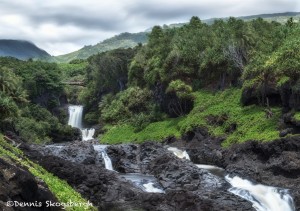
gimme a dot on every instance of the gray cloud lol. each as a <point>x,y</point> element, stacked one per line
<point>61,26</point>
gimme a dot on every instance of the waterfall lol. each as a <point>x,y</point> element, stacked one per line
<point>87,134</point>
<point>146,183</point>
<point>75,116</point>
<point>101,149</point>
<point>75,120</point>
<point>263,198</point>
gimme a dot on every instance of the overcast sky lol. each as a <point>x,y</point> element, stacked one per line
<point>63,26</point>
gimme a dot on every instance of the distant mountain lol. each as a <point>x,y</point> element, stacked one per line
<point>124,40</point>
<point>21,49</point>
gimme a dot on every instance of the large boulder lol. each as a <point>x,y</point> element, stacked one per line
<point>125,157</point>
<point>78,152</point>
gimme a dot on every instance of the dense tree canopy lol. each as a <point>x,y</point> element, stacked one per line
<point>177,61</point>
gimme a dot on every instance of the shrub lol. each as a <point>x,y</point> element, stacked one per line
<point>134,106</point>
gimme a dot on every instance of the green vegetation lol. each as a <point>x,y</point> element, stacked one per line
<point>130,40</point>
<point>30,92</point>
<point>63,192</point>
<point>155,131</point>
<point>160,86</point>
<point>221,113</point>
<point>124,40</point>
<point>297,116</point>
<point>191,76</point>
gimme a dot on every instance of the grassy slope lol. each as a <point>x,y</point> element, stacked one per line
<point>63,192</point>
<point>124,40</point>
<point>251,121</point>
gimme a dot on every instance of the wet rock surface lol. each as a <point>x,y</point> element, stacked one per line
<point>17,184</point>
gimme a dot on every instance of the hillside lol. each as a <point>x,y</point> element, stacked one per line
<point>123,40</point>
<point>20,49</point>
<point>129,40</point>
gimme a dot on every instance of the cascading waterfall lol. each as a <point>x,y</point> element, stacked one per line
<point>101,149</point>
<point>263,198</point>
<point>145,182</point>
<point>75,120</point>
<point>87,134</point>
<point>75,116</point>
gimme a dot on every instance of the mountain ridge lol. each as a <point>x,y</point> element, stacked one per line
<point>21,49</point>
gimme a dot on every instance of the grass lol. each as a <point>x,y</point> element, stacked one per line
<point>60,188</point>
<point>297,116</point>
<point>250,121</point>
<point>154,131</point>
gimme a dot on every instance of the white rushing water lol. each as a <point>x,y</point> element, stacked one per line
<point>75,120</point>
<point>87,134</point>
<point>263,198</point>
<point>149,187</point>
<point>179,153</point>
<point>212,169</point>
<point>147,183</point>
<point>107,161</point>
<point>75,116</point>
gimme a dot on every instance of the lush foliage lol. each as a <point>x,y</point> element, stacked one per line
<point>28,89</point>
<point>106,73</point>
<point>134,105</point>
<point>221,113</point>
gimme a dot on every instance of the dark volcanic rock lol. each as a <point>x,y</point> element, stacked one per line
<point>17,184</point>
<point>181,175</point>
<point>125,157</point>
<point>78,152</point>
<point>201,147</point>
